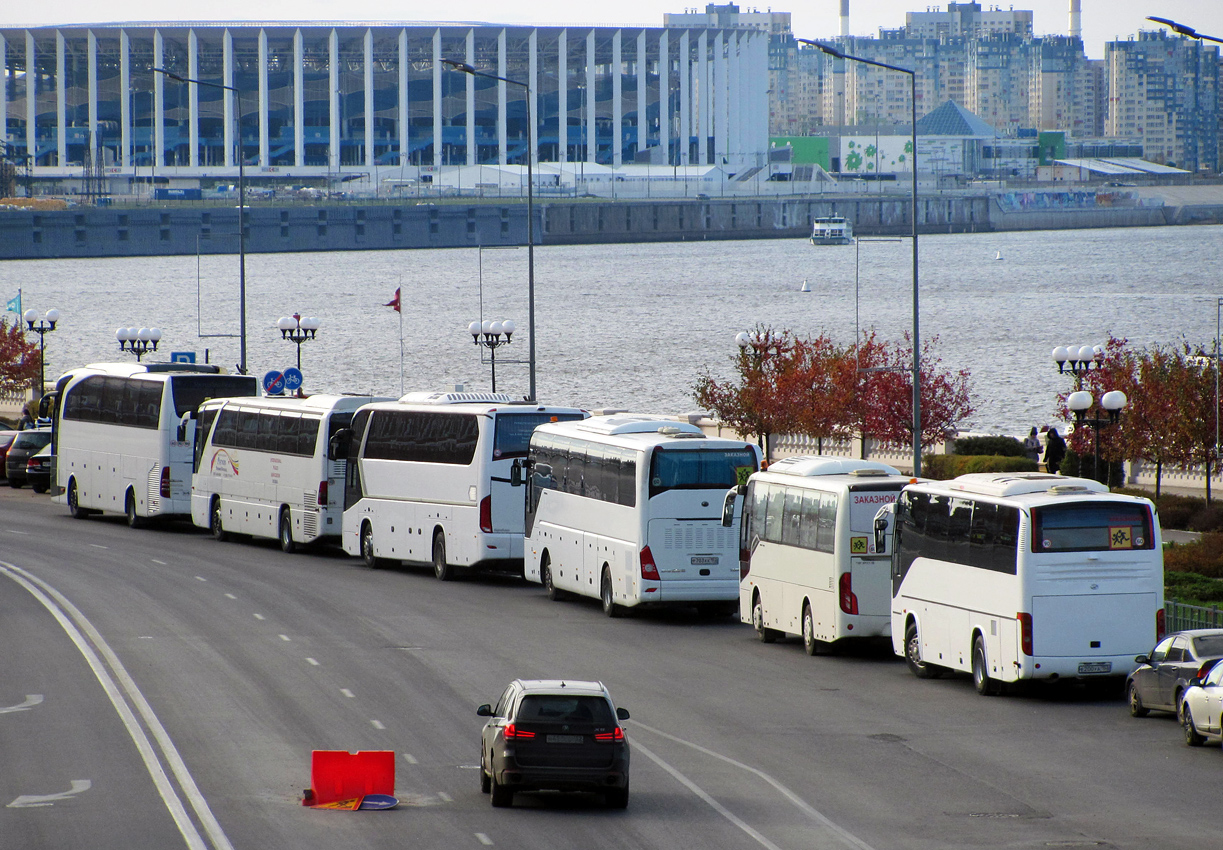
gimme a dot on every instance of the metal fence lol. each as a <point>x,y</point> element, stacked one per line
<point>1180,616</point>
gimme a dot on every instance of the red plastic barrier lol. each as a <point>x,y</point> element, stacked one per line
<point>341,775</point>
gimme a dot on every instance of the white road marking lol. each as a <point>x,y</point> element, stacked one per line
<point>803,806</point>
<point>409,758</point>
<point>311,661</point>
<point>484,839</point>
<point>86,637</point>
<point>155,561</point>
<point>260,617</point>
<point>285,638</point>
<point>346,692</point>
<point>200,578</point>
<point>230,596</point>
<point>14,531</point>
<point>377,724</point>
<point>98,546</point>
<point>31,700</point>
<point>27,801</point>
<point>444,797</point>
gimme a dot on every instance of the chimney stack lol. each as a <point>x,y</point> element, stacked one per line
<point>844,17</point>
<point>1076,27</point>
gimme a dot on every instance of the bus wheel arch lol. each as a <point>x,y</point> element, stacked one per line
<point>284,530</point>
<point>912,646</point>
<point>367,547</point>
<point>442,569</point>
<point>215,522</point>
<point>545,577</point>
<point>765,634</point>
<point>134,520</point>
<point>811,644</point>
<point>74,504</point>
<point>985,684</point>
<point>606,593</point>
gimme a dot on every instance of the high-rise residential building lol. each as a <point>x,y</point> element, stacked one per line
<point>967,20</point>
<point>1164,91</point>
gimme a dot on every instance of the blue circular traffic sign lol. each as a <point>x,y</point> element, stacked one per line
<point>274,382</point>
<point>293,378</point>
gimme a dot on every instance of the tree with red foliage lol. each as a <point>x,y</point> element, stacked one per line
<point>821,385</point>
<point>19,359</point>
<point>758,402</point>
<point>1192,384</point>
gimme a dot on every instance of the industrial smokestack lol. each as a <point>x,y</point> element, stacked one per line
<point>845,17</point>
<point>1076,26</point>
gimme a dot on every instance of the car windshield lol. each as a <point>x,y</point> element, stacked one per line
<point>563,708</point>
<point>1208,645</point>
<point>32,440</point>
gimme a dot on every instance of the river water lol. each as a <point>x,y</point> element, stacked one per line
<point>631,326</point>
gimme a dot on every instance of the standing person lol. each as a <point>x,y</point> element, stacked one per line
<point>1031,447</point>
<point>1055,450</point>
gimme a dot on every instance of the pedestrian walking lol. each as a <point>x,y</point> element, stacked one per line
<point>1031,447</point>
<point>1055,450</point>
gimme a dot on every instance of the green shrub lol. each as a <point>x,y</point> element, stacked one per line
<point>1193,588</point>
<point>949,466</point>
<point>1204,556</point>
<point>1002,446</point>
<point>1187,513</point>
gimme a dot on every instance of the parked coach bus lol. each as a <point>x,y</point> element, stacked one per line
<point>429,479</point>
<point>124,433</point>
<point>808,557</point>
<point>1021,576</point>
<point>628,509</point>
<point>264,467</point>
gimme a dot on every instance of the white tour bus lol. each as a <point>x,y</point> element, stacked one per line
<point>436,478</point>
<point>1017,576</point>
<point>124,434</point>
<point>628,509</point>
<point>808,558</point>
<point>264,467</point>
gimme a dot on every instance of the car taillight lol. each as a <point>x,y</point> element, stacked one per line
<point>745,563</point>
<point>486,514</point>
<point>849,602</point>
<point>513,732</point>
<point>165,482</point>
<point>1025,632</point>
<point>649,570</point>
<point>610,737</point>
<point>322,494</point>
<point>1160,624</point>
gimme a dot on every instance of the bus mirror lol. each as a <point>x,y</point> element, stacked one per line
<point>543,470</point>
<point>883,527</point>
<point>516,473</point>
<point>45,404</point>
<point>338,445</point>
<point>728,507</point>
<point>182,426</point>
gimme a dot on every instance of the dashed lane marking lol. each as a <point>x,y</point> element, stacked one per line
<point>312,662</point>
<point>377,724</point>
<point>98,546</point>
<point>200,578</point>
<point>285,638</point>
<point>444,797</point>
<point>484,839</point>
<point>260,617</point>
<point>346,692</point>
<point>230,596</point>
<point>409,758</point>
<point>162,563</point>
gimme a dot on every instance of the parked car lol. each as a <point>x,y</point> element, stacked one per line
<point>554,735</point>
<point>38,470</point>
<point>1201,708</point>
<point>6,440</point>
<point>1163,676</point>
<point>25,445</point>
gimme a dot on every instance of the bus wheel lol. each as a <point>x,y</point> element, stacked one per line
<point>367,549</point>
<point>610,608</point>
<point>441,569</point>
<point>74,505</point>
<point>812,644</point>
<point>286,532</point>
<point>766,635</point>
<point>986,686</point>
<point>545,575</point>
<point>919,668</point>
<point>129,507</point>
<point>214,522</point>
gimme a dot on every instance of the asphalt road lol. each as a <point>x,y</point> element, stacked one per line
<point>159,689</point>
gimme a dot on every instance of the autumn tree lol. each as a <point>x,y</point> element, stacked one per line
<point>821,384</point>
<point>19,359</point>
<point>1193,387</point>
<point>758,401</point>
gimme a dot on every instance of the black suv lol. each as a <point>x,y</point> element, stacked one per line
<point>554,735</point>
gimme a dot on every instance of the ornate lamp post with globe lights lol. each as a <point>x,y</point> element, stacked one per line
<point>1078,360</point>
<point>41,326</point>
<point>138,341</point>
<point>489,335</point>
<point>297,329</point>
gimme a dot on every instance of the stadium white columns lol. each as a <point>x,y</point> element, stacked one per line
<point>588,130</point>
<point>193,99</point>
<point>533,94</point>
<point>264,100</point>
<point>469,56</point>
<point>333,98</point>
<point>299,101</point>
<point>502,122</point>
<point>61,128</point>
<point>437,97</point>
<point>562,95</point>
<point>685,99</point>
<point>405,149</point>
<point>369,105</point>
<point>617,104</point>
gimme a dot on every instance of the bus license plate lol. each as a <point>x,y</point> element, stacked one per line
<point>566,739</point>
<point>704,560</point>
<point>1096,667</point>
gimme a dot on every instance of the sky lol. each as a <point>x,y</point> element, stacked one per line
<point>1103,20</point>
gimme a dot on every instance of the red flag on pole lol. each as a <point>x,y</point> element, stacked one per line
<point>394,302</point>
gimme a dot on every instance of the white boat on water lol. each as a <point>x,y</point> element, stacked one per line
<point>832,230</point>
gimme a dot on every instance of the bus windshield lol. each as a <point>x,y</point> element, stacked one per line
<point>1090,527</point>
<point>702,469</point>
<point>512,433</point>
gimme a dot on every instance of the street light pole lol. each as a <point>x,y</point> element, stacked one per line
<point>492,332</point>
<point>44,326</point>
<point>917,422</point>
<point>468,69</point>
<point>298,329</point>
<point>241,206</point>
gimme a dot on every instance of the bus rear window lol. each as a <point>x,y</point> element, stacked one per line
<point>512,431</point>
<point>190,391</point>
<point>700,469</point>
<point>1091,527</point>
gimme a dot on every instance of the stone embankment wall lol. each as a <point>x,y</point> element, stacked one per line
<point>186,227</point>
